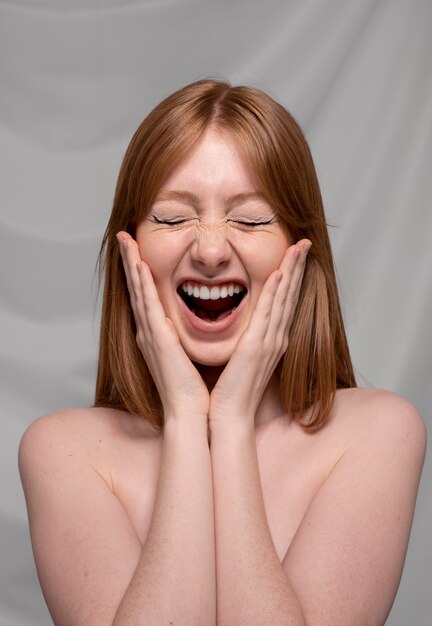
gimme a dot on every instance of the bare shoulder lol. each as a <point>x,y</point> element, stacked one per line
<point>102,439</point>
<point>84,430</point>
<point>63,428</point>
<point>360,519</point>
<point>66,467</point>
<point>376,413</point>
<point>51,437</point>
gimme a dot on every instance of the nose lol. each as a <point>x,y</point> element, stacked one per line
<point>211,250</point>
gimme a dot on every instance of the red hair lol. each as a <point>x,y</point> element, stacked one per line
<point>317,360</point>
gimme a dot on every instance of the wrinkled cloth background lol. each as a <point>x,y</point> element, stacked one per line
<point>77,77</point>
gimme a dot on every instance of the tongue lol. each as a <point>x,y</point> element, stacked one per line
<point>211,316</point>
<point>212,310</point>
<point>221,304</point>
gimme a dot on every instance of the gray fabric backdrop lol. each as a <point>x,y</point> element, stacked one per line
<point>76,79</point>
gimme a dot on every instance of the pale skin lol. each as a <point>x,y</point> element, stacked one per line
<point>233,515</point>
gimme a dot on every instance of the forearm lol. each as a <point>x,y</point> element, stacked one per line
<point>252,587</point>
<point>175,580</point>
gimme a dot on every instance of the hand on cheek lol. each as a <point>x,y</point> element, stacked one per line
<point>241,385</point>
<point>181,388</point>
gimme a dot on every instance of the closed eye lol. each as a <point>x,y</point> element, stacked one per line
<point>247,224</point>
<point>173,222</point>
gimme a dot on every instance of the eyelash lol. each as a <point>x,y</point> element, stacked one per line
<point>242,224</point>
<point>252,224</point>
<point>160,221</point>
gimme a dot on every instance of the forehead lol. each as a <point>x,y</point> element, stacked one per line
<point>216,162</point>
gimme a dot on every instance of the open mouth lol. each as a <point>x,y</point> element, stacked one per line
<point>212,303</point>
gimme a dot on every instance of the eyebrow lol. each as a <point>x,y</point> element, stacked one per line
<point>192,199</point>
<point>180,196</point>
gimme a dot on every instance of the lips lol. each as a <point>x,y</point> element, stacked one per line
<point>212,303</point>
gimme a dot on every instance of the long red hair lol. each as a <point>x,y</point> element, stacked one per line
<point>317,361</point>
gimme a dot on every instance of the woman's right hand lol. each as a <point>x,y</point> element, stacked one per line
<point>182,390</point>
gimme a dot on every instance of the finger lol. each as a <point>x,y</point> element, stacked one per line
<point>148,311</point>
<point>151,304</point>
<point>288,268</point>
<point>285,302</point>
<point>270,306</point>
<point>294,287</point>
<point>260,319</point>
<point>278,297</point>
<point>290,297</point>
<point>130,257</point>
<point>137,285</point>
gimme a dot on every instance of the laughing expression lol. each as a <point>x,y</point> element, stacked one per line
<point>211,241</point>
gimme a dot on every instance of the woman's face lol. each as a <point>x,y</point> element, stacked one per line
<point>211,241</point>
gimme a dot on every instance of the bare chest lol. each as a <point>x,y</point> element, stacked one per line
<point>291,471</point>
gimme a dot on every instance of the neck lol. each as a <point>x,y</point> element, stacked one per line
<point>210,374</point>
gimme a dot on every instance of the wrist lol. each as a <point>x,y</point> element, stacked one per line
<point>182,423</point>
<point>232,424</point>
<point>230,413</point>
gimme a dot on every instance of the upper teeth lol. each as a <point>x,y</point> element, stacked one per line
<point>211,293</point>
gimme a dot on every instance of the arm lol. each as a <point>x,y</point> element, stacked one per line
<point>252,587</point>
<point>175,578</point>
<point>344,564</point>
<point>91,565</point>
<point>346,558</point>
<point>174,581</point>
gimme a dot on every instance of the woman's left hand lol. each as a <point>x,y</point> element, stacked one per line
<point>238,392</point>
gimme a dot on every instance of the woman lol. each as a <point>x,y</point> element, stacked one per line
<point>230,471</point>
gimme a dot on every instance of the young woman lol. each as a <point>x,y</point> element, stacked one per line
<point>230,471</point>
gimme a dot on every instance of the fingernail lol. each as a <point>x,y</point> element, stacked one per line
<point>122,240</point>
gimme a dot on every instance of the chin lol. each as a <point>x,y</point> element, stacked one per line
<point>211,362</point>
<point>209,355</point>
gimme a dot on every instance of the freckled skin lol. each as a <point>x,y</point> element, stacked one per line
<point>209,243</point>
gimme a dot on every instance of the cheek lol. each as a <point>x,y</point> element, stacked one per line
<point>148,246</point>
<point>160,267</point>
<point>161,248</point>
<point>266,256</point>
<point>162,253</point>
<point>156,253</point>
<point>277,249</point>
